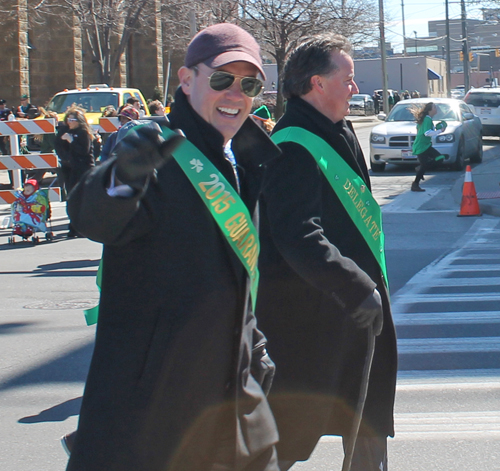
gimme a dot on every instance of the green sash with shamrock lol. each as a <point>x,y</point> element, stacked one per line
<point>225,206</point>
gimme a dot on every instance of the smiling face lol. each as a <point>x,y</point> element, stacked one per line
<point>225,110</point>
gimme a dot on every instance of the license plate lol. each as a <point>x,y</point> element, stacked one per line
<point>485,110</point>
<point>407,154</point>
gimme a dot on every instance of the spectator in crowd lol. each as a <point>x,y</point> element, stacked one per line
<point>46,142</point>
<point>128,113</point>
<point>110,112</point>
<point>135,102</point>
<point>322,267</point>
<point>179,370</point>
<point>376,102</point>
<point>74,147</point>
<point>156,108</point>
<point>26,109</point>
<point>262,116</point>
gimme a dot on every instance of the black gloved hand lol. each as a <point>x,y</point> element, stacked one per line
<point>370,313</point>
<point>262,368</point>
<point>142,151</point>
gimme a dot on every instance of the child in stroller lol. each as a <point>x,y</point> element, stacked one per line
<point>30,212</point>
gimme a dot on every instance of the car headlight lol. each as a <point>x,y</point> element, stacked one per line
<point>377,138</point>
<point>445,138</point>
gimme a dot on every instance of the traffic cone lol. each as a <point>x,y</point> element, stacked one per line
<point>469,205</point>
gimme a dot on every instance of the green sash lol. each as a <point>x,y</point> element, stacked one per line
<point>347,185</point>
<point>224,204</point>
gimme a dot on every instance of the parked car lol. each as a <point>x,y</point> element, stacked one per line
<point>485,102</point>
<point>361,104</point>
<point>391,141</point>
<point>458,93</point>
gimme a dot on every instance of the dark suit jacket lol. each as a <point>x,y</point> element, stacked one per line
<point>315,270</point>
<point>170,371</point>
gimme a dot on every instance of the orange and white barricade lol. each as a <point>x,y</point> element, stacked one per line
<point>17,161</point>
<point>107,125</point>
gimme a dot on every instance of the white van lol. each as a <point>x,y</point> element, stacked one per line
<point>485,103</point>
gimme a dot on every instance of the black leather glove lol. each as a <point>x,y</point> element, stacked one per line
<point>262,368</point>
<point>370,313</point>
<point>142,151</point>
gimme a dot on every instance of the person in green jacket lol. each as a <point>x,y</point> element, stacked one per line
<point>422,146</point>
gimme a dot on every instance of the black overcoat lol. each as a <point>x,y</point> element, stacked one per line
<point>315,269</point>
<point>170,373</point>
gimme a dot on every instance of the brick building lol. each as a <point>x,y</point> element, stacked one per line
<point>40,58</point>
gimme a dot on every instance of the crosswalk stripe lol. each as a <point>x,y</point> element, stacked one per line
<point>445,318</point>
<point>449,345</point>
<point>440,298</point>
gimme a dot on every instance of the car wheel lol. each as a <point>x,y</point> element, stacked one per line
<point>377,168</point>
<point>477,157</point>
<point>460,160</point>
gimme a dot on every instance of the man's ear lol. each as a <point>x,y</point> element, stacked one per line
<point>186,78</point>
<point>317,83</point>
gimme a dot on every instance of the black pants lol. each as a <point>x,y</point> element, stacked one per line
<point>427,160</point>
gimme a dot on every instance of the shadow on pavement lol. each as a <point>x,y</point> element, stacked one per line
<point>66,268</point>
<point>71,367</point>
<point>57,413</point>
<point>14,327</point>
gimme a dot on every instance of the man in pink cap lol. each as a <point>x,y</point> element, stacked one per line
<point>180,371</point>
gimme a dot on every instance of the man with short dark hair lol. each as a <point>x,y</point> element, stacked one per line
<point>179,369</point>
<point>323,279</point>
<point>26,109</point>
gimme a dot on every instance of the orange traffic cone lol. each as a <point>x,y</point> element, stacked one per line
<point>469,205</point>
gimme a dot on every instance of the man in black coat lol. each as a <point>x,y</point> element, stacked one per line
<point>176,378</point>
<point>321,285</point>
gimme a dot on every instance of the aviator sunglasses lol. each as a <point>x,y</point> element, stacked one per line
<point>221,80</point>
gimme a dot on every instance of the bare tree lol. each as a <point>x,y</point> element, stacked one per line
<point>280,24</point>
<point>106,24</point>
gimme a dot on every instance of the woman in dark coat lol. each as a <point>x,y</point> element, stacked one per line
<point>74,146</point>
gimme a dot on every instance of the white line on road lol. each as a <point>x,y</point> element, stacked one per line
<point>449,345</point>
<point>445,318</point>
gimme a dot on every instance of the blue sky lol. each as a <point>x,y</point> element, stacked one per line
<point>417,14</point>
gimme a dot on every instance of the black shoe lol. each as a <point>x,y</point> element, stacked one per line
<point>67,442</point>
<point>416,187</point>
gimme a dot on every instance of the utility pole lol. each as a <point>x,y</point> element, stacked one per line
<point>192,22</point>
<point>448,53</point>
<point>403,20</point>
<point>383,55</point>
<point>465,47</point>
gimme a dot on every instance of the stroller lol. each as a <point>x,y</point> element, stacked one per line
<point>30,213</point>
